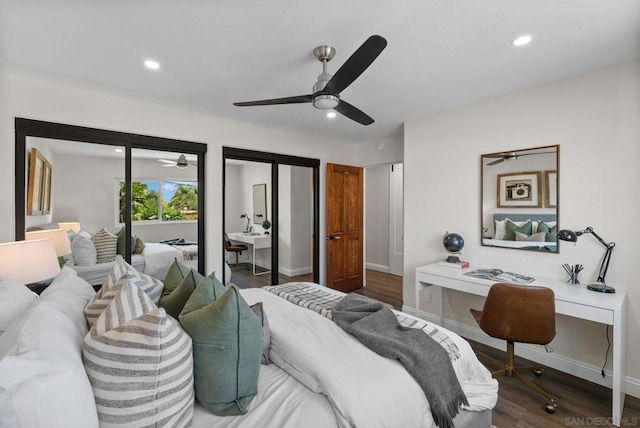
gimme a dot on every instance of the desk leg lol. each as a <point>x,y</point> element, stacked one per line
<point>619,352</point>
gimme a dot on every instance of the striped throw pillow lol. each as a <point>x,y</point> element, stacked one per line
<point>106,245</point>
<point>139,363</point>
<point>121,271</point>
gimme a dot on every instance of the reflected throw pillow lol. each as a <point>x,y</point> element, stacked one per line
<point>536,237</point>
<point>106,245</point>
<point>511,228</point>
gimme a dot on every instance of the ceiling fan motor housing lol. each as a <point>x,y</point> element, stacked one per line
<point>324,101</point>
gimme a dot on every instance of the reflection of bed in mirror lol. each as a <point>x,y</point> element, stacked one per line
<point>529,231</point>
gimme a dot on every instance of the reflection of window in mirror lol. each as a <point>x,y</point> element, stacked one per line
<point>520,199</point>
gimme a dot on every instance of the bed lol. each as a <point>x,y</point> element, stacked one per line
<point>154,260</point>
<point>320,376</point>
<point>534,239</point>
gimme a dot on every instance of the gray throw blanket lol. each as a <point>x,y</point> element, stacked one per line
<point>377,328</point>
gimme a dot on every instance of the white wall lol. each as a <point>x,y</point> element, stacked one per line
<point>377,217</point>
<point>595,119</point>
<point>26,97</point>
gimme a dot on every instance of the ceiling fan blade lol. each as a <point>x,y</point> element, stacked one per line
<point>356,64</point>
<point>495,162</point>
<point>287,100</point>
<point>166,161</point>
<point>353,113</point>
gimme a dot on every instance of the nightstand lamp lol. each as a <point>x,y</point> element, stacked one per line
<point>59,238</point>
<point>29,262</point>
<point>70,225</point>
<point>601,286</point>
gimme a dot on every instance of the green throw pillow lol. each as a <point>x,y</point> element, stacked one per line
<point>121,242</point>
<point>551,231</point>
<point>227,346</point>
<point>511,229</point>
<point>176,273</point>
<point>175,301</point>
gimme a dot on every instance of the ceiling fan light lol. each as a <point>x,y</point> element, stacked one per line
<point>325,102</point>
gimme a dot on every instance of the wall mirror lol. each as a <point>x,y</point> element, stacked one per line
<point>520,199</point>
<point>259,203</point>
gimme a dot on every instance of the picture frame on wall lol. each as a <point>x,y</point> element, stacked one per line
<point>551,189</point>
<point>38,184</point>
<point>519,190</point>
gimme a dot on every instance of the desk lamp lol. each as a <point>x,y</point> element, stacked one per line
<point>601,286</point>
<point>60,241</point>
<point>29,261</point>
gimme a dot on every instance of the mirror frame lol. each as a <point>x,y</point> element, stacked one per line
<point>542,190</point>
<point>35,128</point>
<point>259,203</point>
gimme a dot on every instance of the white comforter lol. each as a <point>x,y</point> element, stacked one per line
<point>158,258</point>
<point>365,389</point>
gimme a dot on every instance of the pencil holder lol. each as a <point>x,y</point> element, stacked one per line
<point>573,272</point>
<point>574,278</point>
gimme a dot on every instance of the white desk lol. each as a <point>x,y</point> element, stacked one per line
<point>573,301</point>
<point>257,242</point>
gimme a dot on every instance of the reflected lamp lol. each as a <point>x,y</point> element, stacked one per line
<point>571,236</point>
<point>59,238</point>
<point>29,261</point>
<point>70,225</point>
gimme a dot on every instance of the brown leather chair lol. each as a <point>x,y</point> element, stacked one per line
<point>234,248</point>
<point>519,313</point>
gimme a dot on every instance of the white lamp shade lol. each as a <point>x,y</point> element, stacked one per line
<point>59,237</point>
<point>29,261</point>
<point>70,225</point>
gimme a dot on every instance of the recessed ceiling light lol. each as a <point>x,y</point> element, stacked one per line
<point>331,114</point>
<point>118,150</point>
<point>522,40</point>
<point>153,65</point>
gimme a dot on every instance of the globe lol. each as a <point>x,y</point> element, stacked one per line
<point>453,243</point>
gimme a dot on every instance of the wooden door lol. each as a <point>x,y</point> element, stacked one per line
<point>344,227</point>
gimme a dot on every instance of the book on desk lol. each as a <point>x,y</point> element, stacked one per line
<point>500,275</point>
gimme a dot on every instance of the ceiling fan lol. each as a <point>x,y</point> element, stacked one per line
<point>181,162</point>
<point>326,91</point>
<point>509,156</point>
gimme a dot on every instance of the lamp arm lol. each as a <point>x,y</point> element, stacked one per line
<point>605,263</point>
<point>590,230</point>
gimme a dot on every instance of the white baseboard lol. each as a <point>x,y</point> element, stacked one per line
<point>379,268</point>
<point>535,353</point>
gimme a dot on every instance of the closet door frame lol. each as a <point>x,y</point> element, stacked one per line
<point>35,128</point>
<point>275,160</point>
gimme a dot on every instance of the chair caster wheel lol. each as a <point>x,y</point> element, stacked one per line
<point>538,372</point>
<point>550,408</point>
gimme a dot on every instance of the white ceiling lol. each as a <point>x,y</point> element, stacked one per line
<point>440,54</point>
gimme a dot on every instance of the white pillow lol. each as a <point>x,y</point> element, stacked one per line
<point>42,361</point>
<point>139,362</point>
<point>500,229</point>
<point>82,248</point>
<point>15,299</point>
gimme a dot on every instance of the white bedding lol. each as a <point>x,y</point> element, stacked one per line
<point>282,402</point>
<point>516,244</point>
<point>365,389</point>
<point>158,258</point>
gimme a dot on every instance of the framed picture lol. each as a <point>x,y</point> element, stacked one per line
<point>46,189</point>
<point>551,189</point>
<point>519,190</point>
<point>38,184</point>
<point>34,182</point>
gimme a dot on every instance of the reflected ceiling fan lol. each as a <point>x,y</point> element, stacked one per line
<point>508,156</point>
<point>181,162</point>
<point>326,91</point>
